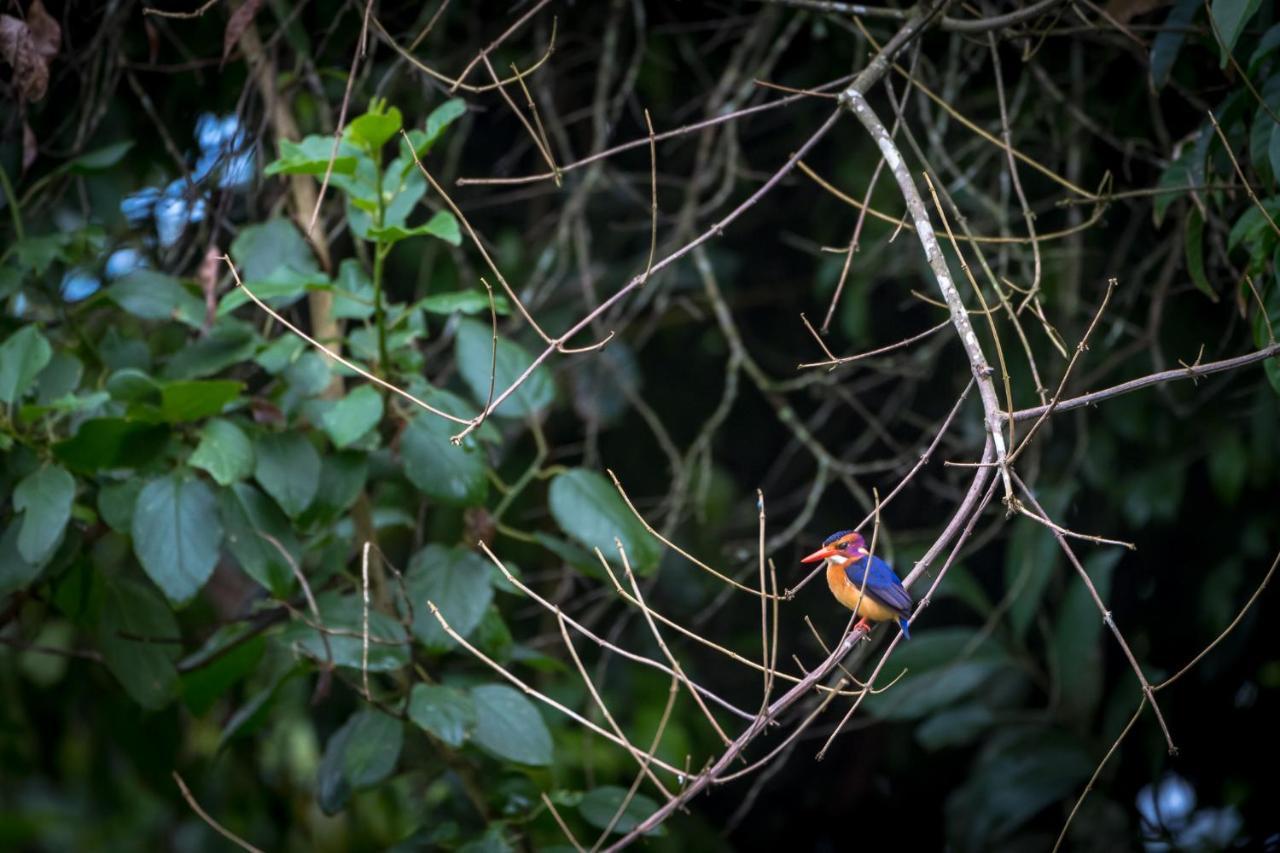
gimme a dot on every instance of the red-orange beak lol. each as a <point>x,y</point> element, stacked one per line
<point>821,554</point>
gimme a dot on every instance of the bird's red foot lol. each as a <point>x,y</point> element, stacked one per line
<point>866,628</point>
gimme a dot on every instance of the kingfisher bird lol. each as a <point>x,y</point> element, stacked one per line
<point>863,583</point>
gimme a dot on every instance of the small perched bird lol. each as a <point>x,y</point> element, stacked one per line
<point>863,583</point>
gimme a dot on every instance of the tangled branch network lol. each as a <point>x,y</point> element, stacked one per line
<point>791,702</point>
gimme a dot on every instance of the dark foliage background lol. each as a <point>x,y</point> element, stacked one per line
<point>150,437</point>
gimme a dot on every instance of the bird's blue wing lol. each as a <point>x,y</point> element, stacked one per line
<point>881,582</point>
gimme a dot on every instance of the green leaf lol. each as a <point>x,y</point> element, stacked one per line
<point>1077,636</point>
<point>260,250</point>
<point>229,343</point>
<point>311,157</point>
<point>342,476</point>
<point>15,571</point>
<point>1273,150</point>
<point>1230,16</point>
<point>442,225</point>
<point>1176,177</point>
<point>373,748</point>
<point>954,726</point>
<point>941,667</point>
<point>1193,243</point>
<point>248,514</point>
<point>353,416</point>
<point>509,727</point>
<point>1020,774</point>
<point>177,534</point>
<point>439,119</point>
<point>224,451</point>
<point>332,788</point>
<point>22,356</point>
<point>116,502</point>
<point>59,378</point>
<point>599,805</point>
<point>452,474</point>
<point>463,301</point>
<point>44,498</point>
<point>589,509</point>
<point>474,351</point>
<point>457,582</point>
<point>253,713</point>
<point>152,295</point>
<point>236,658</point>
<point>100,158</point>
<point>135,634</point>
<point>1168,42</point>
<point>195,399</point>
<point>446,712</point>
<point>388,646</point>
<point>106,443</point>
<point>280,289</point>
<point>372,130</point>
<point>353,292</point>
<point>1032,556</point>
<point>288,467</point>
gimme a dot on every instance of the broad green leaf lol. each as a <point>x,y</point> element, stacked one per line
<point>230,659</point>
<point>439,119</point>
<point>224,451</point>
<point>280,289</point>
<point>464,302</point>
<point>22,356</point>
<point>442,225</point>
<point>311,157</point>
<point>1193,244</point>
<point>353,415</point>
<point>249,517</point>
<point>373,748</point>
<point>452,474</point>
<point>457,582</point>
<point>259,250</point>
<point>388,646</point>
<point>342,476</point>
<point>15,570</point>
<point>44,498</point>
<point>59,378</point>
<point>100,158</point>
<point>1230,16</point>
<point>288,467</point>
<point>926,686</point>
<point>229,343</point>
<point>177,534</point>
<point>1273,150</point>
<point>353,292</point>
<point>1077,636</point>
<point>600,805</point>
<point>116,502</point>
<point>589,509</point>
<point>446,712</point>
<point>135,634</point>
<point>474,351</point>
<point>373,129</point>
<point>105,443</point>
<point>1031,557</point>
<point>954,726</point>
<point>196,399</point>
<point>332,788</point>
<point>1020,774</point>
<point>153,295</point>
<point>130,385</point>
<point>509,727</point>
<point>1177,176</point>
<point>252,714</point>
<point>1168,42</point>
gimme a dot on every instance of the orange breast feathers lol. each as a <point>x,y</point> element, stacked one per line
<point>858,600</point>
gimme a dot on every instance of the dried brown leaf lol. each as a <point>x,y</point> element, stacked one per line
<point>29,46</point>
<point>236,25</point>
